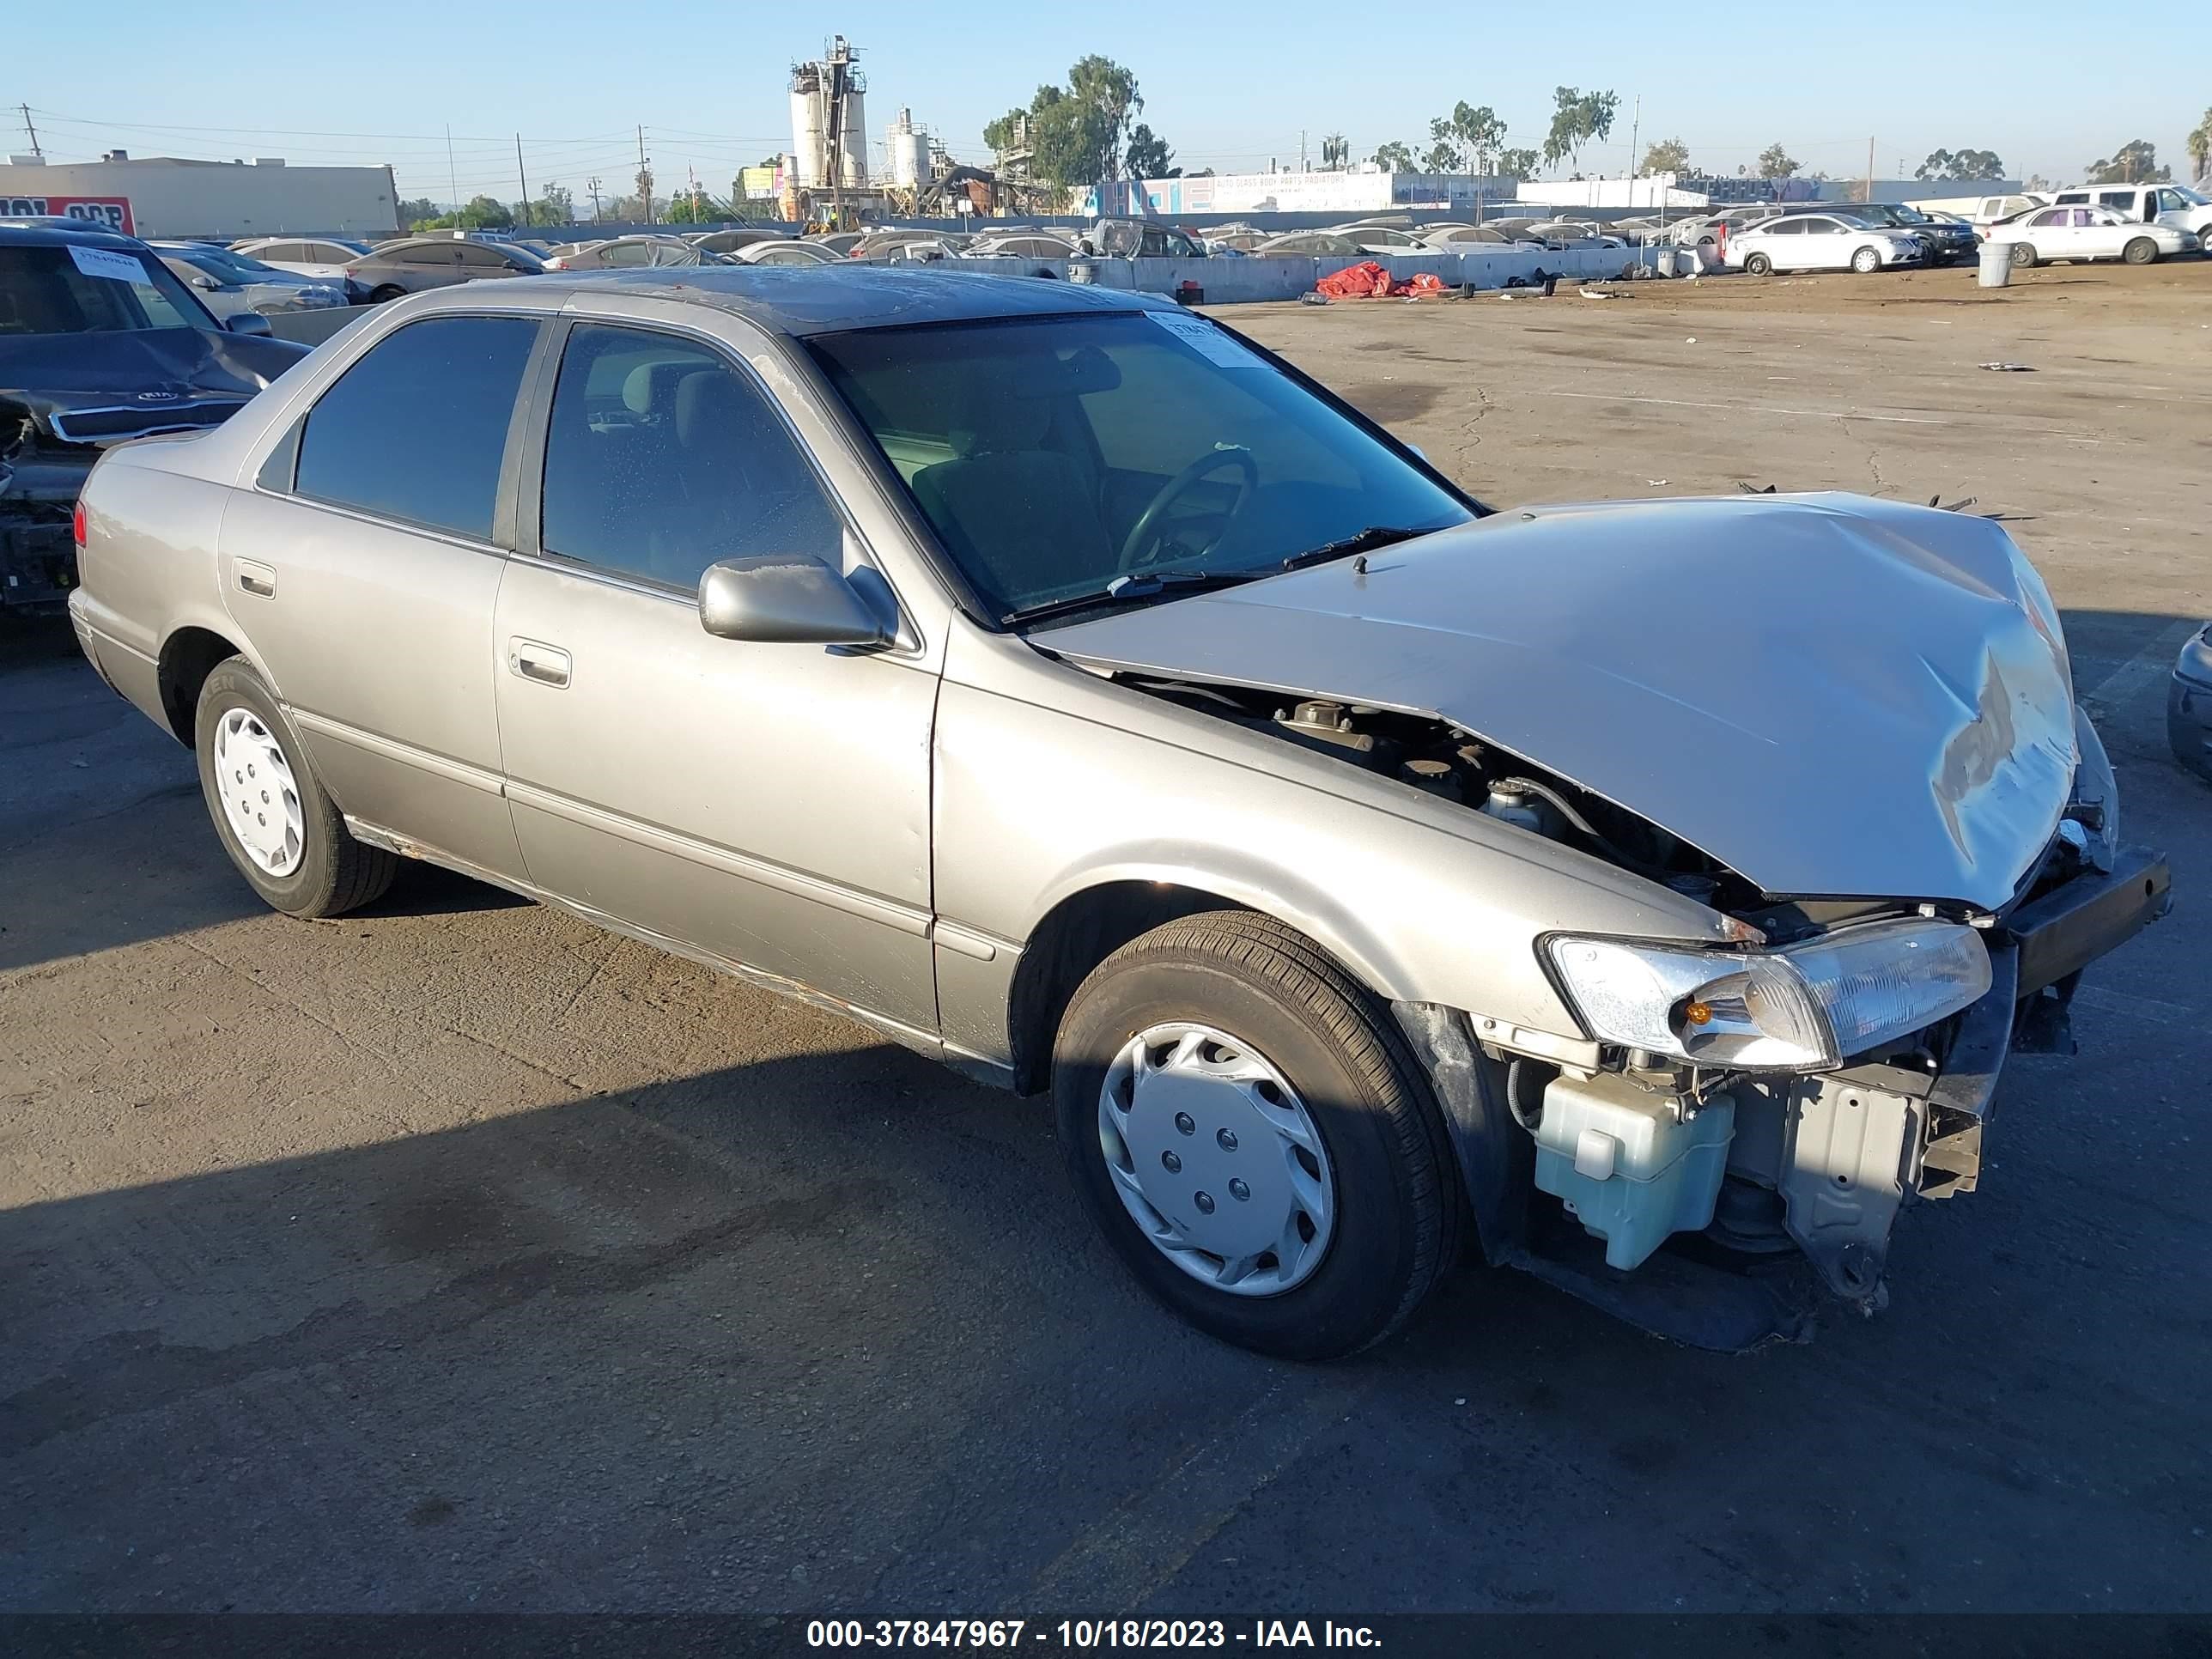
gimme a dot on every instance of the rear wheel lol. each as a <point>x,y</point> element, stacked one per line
<point>2023,253</point>
<point>2142,250</point>
<point>1759,264</point>
<point>1244,1122</point>
<point>1866,260</point>
<point>284,834</point>
<point>389,292</point>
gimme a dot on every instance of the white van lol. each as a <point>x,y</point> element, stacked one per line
<point>2166,205</point>
<point>1984,210</point>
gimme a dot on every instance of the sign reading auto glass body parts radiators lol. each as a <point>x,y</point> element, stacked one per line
<point>96,212</point>
<point>106,262</point>
<point>1211,343</point>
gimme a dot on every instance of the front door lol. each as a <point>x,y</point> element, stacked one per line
<point>767,804</point>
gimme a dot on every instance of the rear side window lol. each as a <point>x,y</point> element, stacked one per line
<point>2122,200</point>
<point>416,429</point>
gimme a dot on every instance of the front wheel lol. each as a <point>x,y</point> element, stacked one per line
<point>1244,1122</point>
<point>1865,261</point>
<point>2140,251</point>
<point>1759,264</point>
<point>284,834</point>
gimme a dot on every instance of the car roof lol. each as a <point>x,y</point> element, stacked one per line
<point>43,236</point>
<point>830,299</point>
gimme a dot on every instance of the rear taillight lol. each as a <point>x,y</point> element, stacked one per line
<point>76,525</point>
<point>556,264</point>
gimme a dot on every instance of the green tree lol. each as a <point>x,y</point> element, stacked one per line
<point>1578,117</point>
<point>1515,163</point>
<point>555,205</point>
<point>1394,157</point>
<point>1085,132</point>
<point>1444,154</point>
<point>1961,164</point>
<point>1336,149</point>
<point>1775,162</point>
<point>1667,155</point>
<point>2199,144</point>
<point>417,208</point>
<point>1150,156</point>
<point>2135,162</point>
<point>482,213</point>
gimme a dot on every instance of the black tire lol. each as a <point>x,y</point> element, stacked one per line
<point>387,293</point>
<point>2023,255</point>
<point>1758,265</point>
<point>1398,1209</point>
<point>2141,252</point>
<point>336,872</point>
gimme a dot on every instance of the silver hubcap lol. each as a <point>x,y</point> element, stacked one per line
<point>1215,1158</point>
<point>260,796</point>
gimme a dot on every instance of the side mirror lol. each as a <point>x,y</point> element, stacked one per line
<point>784,599</point>
<point>250,322</point>
<point>207,283</point>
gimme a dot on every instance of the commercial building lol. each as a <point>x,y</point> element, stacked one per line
<point>1353,190</point>
<point>169,196</point>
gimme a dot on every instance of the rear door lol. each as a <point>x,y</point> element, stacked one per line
<point>1825,245</point>
<point>363,565</point>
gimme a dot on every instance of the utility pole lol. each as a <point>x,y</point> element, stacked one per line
<point>33,132</point>
<point>1635,132</point>
<point>452,180</point>
<point>525,176</point>
<point>1302,149</point>
<point>592,185</point>
<point>644,177</point>
<point>1869,195</point>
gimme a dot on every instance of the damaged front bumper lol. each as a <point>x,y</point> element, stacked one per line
<point>1817,1166</point>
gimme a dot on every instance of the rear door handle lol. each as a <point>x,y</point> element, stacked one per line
<point>257,579</point>
<point>548,665</point>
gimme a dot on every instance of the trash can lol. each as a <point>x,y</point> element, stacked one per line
<point>1081,270</point>
<point>1997,265</point>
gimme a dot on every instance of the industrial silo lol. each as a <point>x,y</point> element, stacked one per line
<point>909,153</point>
<point>808,143</point>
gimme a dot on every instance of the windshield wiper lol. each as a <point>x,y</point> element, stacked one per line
<point>1137,585</point>
<point>1362,541</point>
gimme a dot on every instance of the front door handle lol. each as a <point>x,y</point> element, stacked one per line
<point>548,665</point>
<point>257,579</point>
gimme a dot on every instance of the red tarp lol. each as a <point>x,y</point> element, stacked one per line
<point>1368,281</point>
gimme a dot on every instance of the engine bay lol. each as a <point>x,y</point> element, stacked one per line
<point>1441,759</point>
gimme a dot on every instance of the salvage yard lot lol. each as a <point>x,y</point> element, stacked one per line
<point>456,1255</point>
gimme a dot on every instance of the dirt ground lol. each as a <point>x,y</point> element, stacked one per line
<point>456,1255</point>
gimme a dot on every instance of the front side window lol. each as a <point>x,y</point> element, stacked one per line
<point>661,458</point>
<point>69,289</point>
<point>1052,454</point>
<point>415,430</point>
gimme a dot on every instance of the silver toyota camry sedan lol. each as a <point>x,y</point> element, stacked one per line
<point>1645,895</point>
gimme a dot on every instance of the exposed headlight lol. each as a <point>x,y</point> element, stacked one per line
<point>1805,1007</point>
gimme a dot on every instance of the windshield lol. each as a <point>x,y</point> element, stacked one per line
<point>69,289</point>
<point>1054,454</point>
<point>226,266</point>
<point>2195,198</point>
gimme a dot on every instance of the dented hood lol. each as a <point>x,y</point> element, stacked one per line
<point>152,374</point>
<point>1835,696</point>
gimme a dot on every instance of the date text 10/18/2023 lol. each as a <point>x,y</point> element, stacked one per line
<point>1086,1634</point>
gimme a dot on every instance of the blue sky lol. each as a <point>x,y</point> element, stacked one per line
<point>1228,86</point>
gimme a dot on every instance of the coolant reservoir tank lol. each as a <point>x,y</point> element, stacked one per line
<point>1510,801</point>
<point>1627,1164</point>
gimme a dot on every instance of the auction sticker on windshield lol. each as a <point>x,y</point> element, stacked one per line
<point>105,262</point>
<point>1211,344</point>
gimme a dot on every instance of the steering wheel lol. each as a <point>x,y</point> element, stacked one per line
<point>1213,461</point>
